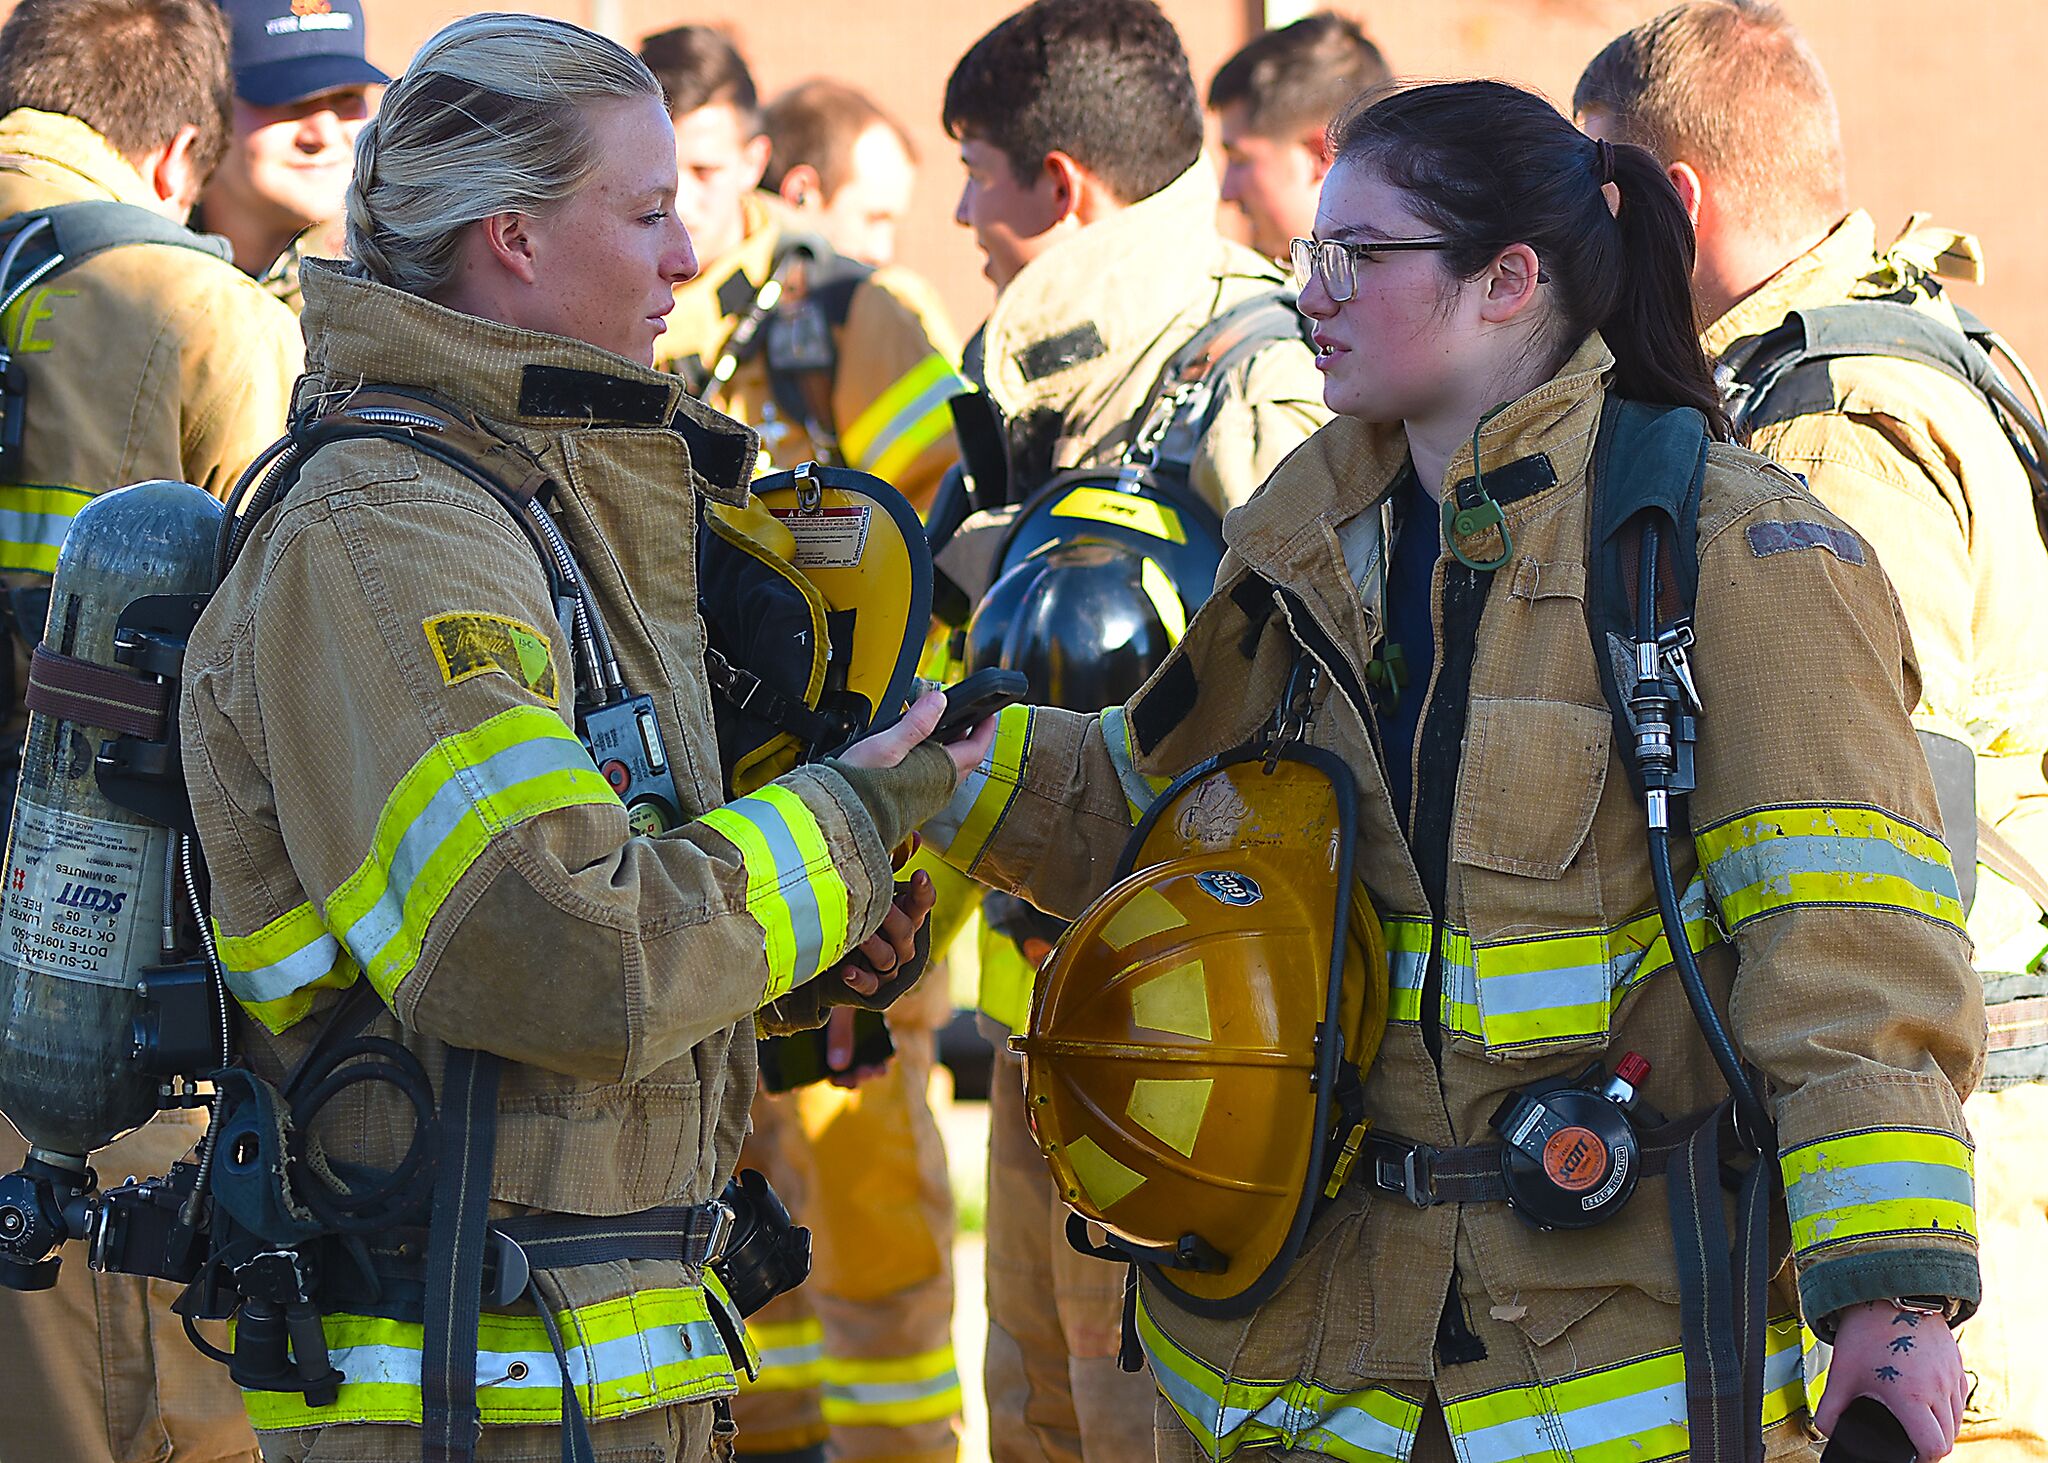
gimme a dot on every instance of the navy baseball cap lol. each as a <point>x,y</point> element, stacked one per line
<point>288,50</point>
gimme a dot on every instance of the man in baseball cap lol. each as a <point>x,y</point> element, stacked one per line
<point>303,89</point>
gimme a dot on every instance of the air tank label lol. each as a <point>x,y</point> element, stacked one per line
<point>74,905</point>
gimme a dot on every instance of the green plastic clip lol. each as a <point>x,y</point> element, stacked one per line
<point>1462,520</point>
<point>1387,673</point>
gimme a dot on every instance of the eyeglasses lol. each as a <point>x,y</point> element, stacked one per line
<point>1335,262</point>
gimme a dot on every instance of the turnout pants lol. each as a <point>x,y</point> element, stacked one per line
<point>98,1369</point>
<point>862,1353</point>
<point>2005,1345</point>
<point>1055,1317</point>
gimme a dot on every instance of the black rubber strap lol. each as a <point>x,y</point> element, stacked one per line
<point>449,1419</point>
<point>1721,1296</point>
<point>686,1235</point>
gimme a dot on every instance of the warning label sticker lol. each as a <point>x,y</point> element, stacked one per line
<point>73,905</point>
<point>831,538</point>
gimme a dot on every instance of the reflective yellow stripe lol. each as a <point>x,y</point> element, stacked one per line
<point>1407,961</point>
<point>716,1299</point>
<point>892,1391</point>
<point>795,892</point>
<point>1158,587</point>
<point>1632,1413</point>
<point>648,1349</point>
<point>904,420</point>
<point>33,522</point>
<point>1006,979</point>
<point>792,1356</point>
<point>273,973</point>
<point>1370,1426</point>
<point>1141,790</point>
<point>1886,1181</point>
<point>1772,859</point>
<point>1548,988</point>
<point>963,828</point>
<point>444,812</point>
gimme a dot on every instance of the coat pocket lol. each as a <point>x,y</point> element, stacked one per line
<point>598,1150</point>
<point>1530,972</point>
<point>1529,783</point>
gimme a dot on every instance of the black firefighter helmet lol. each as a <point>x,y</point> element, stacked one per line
<point>1086,621</point>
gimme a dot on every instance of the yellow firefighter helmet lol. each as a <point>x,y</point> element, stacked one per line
<point>816,598</point>
<point>1195,1044</point>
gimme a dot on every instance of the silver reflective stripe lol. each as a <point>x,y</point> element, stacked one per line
<point>934,396</point>
<point>297,970</point>
<point>1782,858</point>
<point>1833,1188</point>
<point>1533,990</point>
<point>789,1358</point>
<point>1620,1419</point>
<point>792,884</point>
<point>454,801</point>
<point>944,827</point>
<point>616,1361</point>
<point>877,1394</point>
<point>1116,731</point>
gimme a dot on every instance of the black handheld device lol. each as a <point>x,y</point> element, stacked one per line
<point>977,698</point>
<point>789,1062</point>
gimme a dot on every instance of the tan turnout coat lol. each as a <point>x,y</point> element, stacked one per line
<point>379,741</point>
<point>1822,904</point>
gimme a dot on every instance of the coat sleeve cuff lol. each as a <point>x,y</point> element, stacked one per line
<point>901,797</point>
<point>1829,1286</point>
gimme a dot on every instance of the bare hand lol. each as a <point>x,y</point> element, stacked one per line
<point>839,1051</point>
<point>896,941</point>
<point>1908,1362</point>
<point>889,748</point>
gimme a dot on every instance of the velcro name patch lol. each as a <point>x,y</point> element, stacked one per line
<point>470,645</point>
<point>1766,539</point>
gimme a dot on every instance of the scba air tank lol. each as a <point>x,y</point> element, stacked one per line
<point>83,903</point>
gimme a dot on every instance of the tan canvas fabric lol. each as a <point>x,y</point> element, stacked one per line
<point>861,1355</point>
<point>1077,340</point>
<point>101,1371</point>
<point>1913,460</point>
<point>1807,674</point>
<point>665,1435</point>
<point>894,329</point>
<point>895,363</point>
<point>146,362</point>
<point>617,975</point>
<point>1055,1316</point>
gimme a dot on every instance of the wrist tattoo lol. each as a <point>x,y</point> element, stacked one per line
<point>1901,1344</point>
<point>1906,1318</point>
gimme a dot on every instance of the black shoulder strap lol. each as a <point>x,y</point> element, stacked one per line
<point>1181,407</point>
<point>44,242</point>
<point>802,346</point>
<point>1649,465</point>
<point>1765,388</point>
<point>1775,381</point>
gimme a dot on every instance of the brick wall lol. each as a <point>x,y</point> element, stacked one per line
<point>1943,106</point>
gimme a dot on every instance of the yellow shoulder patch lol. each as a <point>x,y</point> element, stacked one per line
<point>467,646</point>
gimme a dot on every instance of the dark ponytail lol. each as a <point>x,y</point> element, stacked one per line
<point>1489,165</point>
